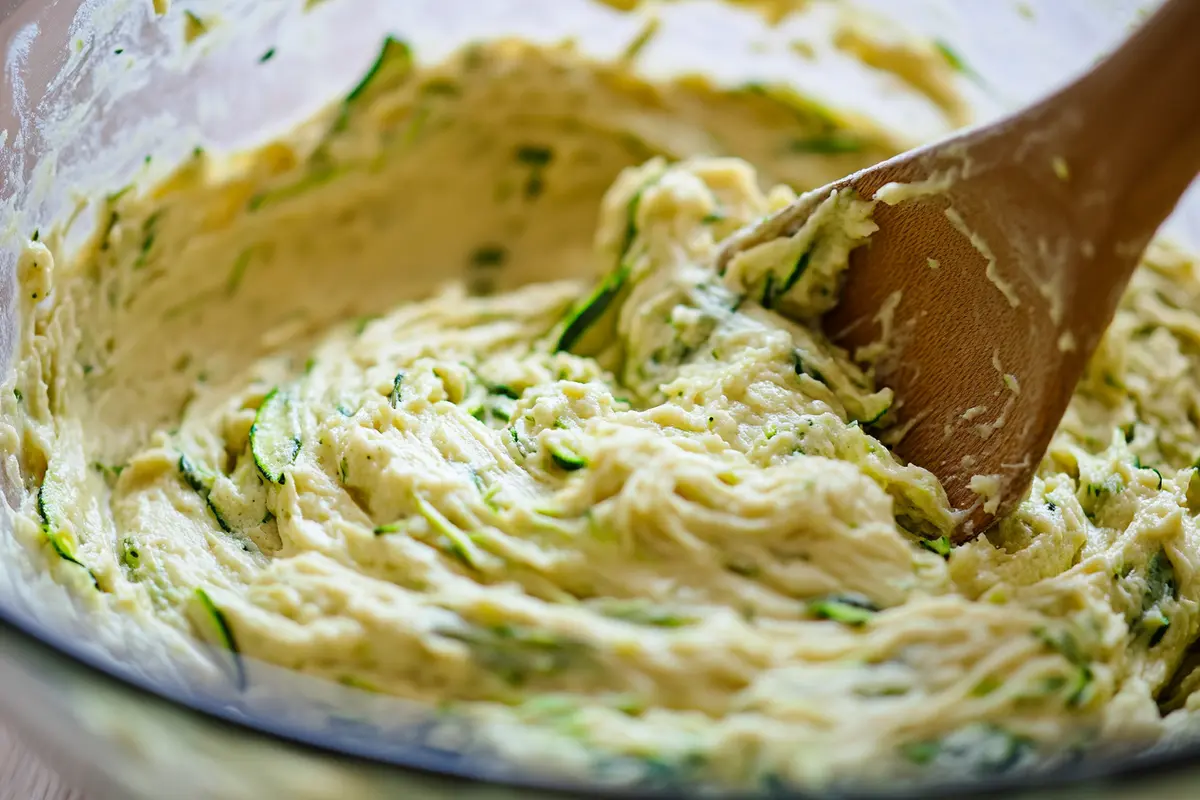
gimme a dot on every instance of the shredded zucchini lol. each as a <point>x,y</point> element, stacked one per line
<point>274,437</point>
<point>212,626</point>
<point>849,609</point>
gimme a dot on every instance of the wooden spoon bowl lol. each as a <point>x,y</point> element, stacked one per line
<point>1002,253</point>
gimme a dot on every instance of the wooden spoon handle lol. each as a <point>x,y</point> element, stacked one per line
<point>1136,140</point>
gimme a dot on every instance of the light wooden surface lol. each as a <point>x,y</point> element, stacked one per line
<point>24,777</point>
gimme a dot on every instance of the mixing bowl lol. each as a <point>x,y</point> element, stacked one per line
<point>97,92</point>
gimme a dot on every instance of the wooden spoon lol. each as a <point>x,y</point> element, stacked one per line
<point>1010,257</point>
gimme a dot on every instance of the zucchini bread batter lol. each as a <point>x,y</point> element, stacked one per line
<point>648,519</point>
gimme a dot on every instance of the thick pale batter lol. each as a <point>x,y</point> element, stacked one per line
<point>648,520</point>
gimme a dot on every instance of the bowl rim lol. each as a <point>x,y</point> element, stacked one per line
<point>1110,773</point>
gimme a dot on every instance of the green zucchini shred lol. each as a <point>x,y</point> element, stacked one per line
<point>591,310</point>
<point>196,477</point>
<point>394,396</point>
<point>391,67</point>
<point>1010,749</point>
<point>641,612</point>
<point>587,313</point>
<point>193,26</point>
<point>767,300</point>
<point>672,771</point>
<point>942,546</point>
<point>952,56</point>
<point>441,86</point>
<point>489,497</point>
<point>629,705</point>
<point>744,569</point>
<point>63,549</point>
<point>149,234</point>
<point>394,60</point>
<point>200,479</point>
<point>489,255</point>
<point>804,108</point>
<point>113,216</point>
<point>219,632</point>
<point>803,369</point>
<point>1161,583</point>
<point>548,707</point>
<point>130,555</point>
<point>640,41</point>
<point>773,291</point>
<point>1161,586</point>
<point>503,391</point>
<point>533,155</point>
<point>460,543</point>
<point>1081,680</point>
<point>517,653</point>
<point>798,270</point>
<point>1052,684</point>
<point>318,175</point>
<point>537,159</point>
<point>848,609</point>
<point>110,472</point>
<point>1080,686</point>
<point>566,458</point>
<point>880,415</point>
<point>992,751</point>
<point>361,323</point>
<point>986,686</point>
<point>238,271</point>
<point>535,184</point>
<point>49,497</point>
<point>1155,623</point>
<point>358,683</point>
<point>593,307</point>
<point>1062,642</point>
<point>462,552</point>
<point>239,500</point>
<point>274,439</point>
<point>921,753</point>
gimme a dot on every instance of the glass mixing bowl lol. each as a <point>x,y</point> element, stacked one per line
<point>97,92</point>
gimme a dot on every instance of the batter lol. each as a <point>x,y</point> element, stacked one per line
<point>646,518</point>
